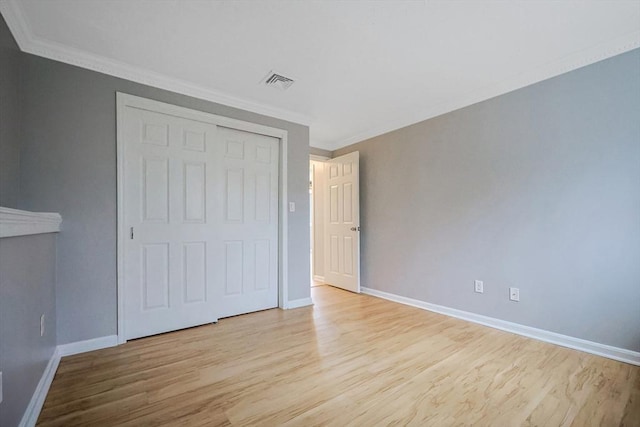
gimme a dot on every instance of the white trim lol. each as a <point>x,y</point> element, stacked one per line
<point>29,43</point>
<point>120,225</point>
<point>32,412</point>
<point>615,353</point>
<point>297,303</point>
<point>15,222</point>
<point>318,158</point>
<point>124,100</point>
<point>283,224</point>
<point>34,407</point>
<point>564,65</point>
<point>318,278</point>
<point>87,345</point>
<point>15,21</point>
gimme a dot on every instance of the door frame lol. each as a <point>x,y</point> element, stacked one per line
<point>123,101</point>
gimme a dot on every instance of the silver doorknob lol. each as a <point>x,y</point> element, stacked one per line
<point>355,228</point>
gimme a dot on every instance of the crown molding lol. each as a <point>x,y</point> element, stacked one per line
<point>15,21</point>
<point>31,44</point>
<point>564,65</point>
<point>28,43</point>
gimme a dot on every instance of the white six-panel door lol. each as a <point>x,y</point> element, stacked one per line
<point>202,210</point>
<point>342,222</point>
<point>249,224</point>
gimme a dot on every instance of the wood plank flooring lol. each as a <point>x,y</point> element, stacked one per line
<point>350,360</point>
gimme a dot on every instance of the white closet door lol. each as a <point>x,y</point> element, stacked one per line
<point>201,204</point>
<point>249,225</point>
<point>169,179</point>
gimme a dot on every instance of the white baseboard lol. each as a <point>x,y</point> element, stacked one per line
<point>87,345</point>
<point>615,353</point>
<point>297,303</point>
<point>32,412</point>
<point>318,278</point>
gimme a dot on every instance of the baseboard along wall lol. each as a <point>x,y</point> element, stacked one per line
<point>34,407</point>
<point>32,412</point>
<point>623,355</point>
<point>297,303</point>
<point>88,345</point>
<point>604,350</point>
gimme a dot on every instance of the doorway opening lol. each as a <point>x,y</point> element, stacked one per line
<point>334,186</point>
<point>316,219</point>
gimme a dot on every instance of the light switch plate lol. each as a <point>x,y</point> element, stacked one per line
<point>292,206</point>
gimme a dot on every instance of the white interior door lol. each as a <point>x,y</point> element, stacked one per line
<point>249,225</point>
<point>201,204</point>
<point>168,182</point>
<point>342,222</point>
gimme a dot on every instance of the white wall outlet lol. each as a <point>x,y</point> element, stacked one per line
<point>479,286</point>
<point>0,387</point>
<point>42,325</point>
<point>514,294</point>
<point>292,206</point>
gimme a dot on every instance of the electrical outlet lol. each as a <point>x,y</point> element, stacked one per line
<point>42,325</point>
<point>479,286</point>
<point>514,294</point>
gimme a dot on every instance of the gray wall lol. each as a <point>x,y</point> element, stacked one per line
<point>27,281</point>
<point>69,166</point>
<point>319,152</point>
<point>27,264</point>
<point>9,118</point>
<point>537,189</point>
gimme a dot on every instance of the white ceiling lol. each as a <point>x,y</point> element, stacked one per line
<point>362,68</point>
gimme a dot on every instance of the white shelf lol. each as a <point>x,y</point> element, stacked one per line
<point>14,222</point>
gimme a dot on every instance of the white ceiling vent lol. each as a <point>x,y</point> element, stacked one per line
<point>279,81</point>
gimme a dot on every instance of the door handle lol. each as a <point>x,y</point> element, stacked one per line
<point>355,228</point>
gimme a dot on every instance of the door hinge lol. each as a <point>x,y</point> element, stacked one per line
<point>131,233</point>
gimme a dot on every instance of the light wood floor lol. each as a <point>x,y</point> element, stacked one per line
<point>349,360</point>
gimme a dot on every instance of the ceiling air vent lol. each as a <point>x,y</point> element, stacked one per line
<point>278,81</point>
